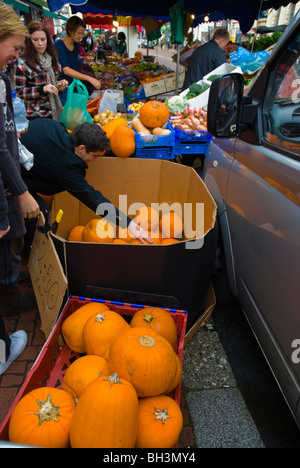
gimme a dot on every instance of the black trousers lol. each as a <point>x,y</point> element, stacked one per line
<point>3,335</point>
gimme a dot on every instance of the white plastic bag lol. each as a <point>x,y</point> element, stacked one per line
<point>107,102</point>
<point>26,158</point>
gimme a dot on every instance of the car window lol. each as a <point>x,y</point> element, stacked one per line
<point>283,100</point>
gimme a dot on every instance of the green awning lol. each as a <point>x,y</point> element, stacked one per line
<point>64,18</point>
<point>50,14</point>
<point>18,5</point>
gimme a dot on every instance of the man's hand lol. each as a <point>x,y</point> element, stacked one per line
<point>139,233</point>
<point>29,206</point>
<point>3,232</point>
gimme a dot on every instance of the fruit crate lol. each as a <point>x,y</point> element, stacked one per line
<point>191,143</point>
<point>149,141</point>
<point>55,356</point>
<point>159,152</point>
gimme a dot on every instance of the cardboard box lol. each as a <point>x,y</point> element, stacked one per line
<point>154,88</point>
<point>175,276</point>
<point>170,81</point>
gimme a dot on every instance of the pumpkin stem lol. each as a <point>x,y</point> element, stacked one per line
<point>161,414</point>
<point>147,341</point>
<point>148,318</point>
<point>114,379</point>
<point>99,318</point>
<point>47,410</point>
<point>155,104</point>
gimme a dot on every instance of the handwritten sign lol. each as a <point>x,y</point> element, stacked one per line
<point>48,279</point>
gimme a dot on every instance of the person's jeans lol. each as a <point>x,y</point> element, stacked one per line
<point>10,261</point>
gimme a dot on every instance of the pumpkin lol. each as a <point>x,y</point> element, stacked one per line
<point>110,127</point>
<point>98,230</point>
<point>124,234</point>
<point>154,114</point>
<point>72,327</point>
<point>147,217</point>
<point>42,418</point>
<point>81,372</point>
<point>177,377</point>
<point>139,127</point>
<point>160,422</point>
<point>145,359</point>
<point>75,234</point>
<point>119,241</point>
<point>106,415</point>
<point>167,241</point>
<point>101,330</point>
<point>171,225</point>
<point>158,320</point>
<point>122,142</point>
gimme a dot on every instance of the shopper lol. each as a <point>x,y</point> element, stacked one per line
<point>122,49</point>
<point>112,43</point>
<point>36,74</point>
<point>100,48</point>
<point>206,58</point>
<point>88,41</point>
<point>16,202</point>
<point>68,55</point>
<point>61,160</point>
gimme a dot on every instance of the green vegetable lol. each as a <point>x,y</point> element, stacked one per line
<point>197,88</point>
<point>190,95</point>
<point>212,77</point>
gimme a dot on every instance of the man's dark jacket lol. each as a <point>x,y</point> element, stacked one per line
<point>204,60</point>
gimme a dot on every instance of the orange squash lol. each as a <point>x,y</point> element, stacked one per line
<point>106,415</point>
<point>167,241</point>
<point>145,359</point>
<point>110,127</point>
<point>98,230</point>
<point>122,142</point>
<point>177,377</point>
<point>42,418</point>
<point>158,320</point>
<point>171,225</point>
<point>154,114</point>
<point>147,217</point>
<point>81,372</point>
<point>72,327</point>
<point>101,330</point>
<point>75,234</point>
<point>160,422</point>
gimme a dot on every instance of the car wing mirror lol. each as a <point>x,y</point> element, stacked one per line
<point>225,106</point>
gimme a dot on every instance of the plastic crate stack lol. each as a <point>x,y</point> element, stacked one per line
<point>195,143</point>
<point>156,146</point>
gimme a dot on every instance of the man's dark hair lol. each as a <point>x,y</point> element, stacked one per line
<point>221,33</point>
<point>91,136</point>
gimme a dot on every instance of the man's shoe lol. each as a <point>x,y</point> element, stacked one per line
<point>18,343</point>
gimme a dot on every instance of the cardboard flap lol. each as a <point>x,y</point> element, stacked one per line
<point>48,279</point>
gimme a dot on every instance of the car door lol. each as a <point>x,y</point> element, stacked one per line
<point>263,212</point>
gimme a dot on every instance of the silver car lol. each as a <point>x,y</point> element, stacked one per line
<point>252,169</point>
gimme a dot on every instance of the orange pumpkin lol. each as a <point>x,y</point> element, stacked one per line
<point>124,234</point>
<point>145,359</point>
<point>42,418</point>
<point>119,241</point>
<point>106,415</point>
<point>101,330</point>
<point>98,230</point>
<point>110,127</point>
<point>177,377</point>
<point>147,217</point>
<point>154,114</point>
<point>171,225</point>
<point>160,422</point>
<point>72,327</point>
<point>83,371</point>
<point>75,234</point>
<point>122,142</point>
<point>167,241</point>
<point>158,320</point>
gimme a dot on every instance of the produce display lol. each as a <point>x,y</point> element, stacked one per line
<point>115,393</point>
<point>195,89</point>
<point>190,120</point>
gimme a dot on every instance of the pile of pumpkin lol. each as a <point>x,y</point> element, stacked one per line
<point>152,116</point>
<point>115,394</point>
<point>167,230</point>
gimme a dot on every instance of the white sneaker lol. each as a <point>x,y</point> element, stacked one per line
<point>18,343</point>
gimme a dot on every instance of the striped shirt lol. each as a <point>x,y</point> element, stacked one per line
<point>29,85</point>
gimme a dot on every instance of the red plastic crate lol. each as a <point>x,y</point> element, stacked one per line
<point>55,356</point>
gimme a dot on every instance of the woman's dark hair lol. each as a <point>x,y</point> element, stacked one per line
<point>91,136</point>
<point>121,36</point>
<point>73,23</point>
<point>30,55</point>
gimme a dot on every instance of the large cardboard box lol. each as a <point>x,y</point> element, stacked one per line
<point>171,276</point>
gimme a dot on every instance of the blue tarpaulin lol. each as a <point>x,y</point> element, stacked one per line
<point>243,11</point>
